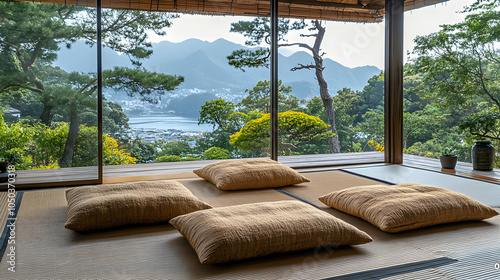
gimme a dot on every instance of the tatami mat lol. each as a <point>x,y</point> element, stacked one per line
<point>457,241</point>
<point>396,271</point>
<point>326,182</point>
<point>485,192</point>
<point>149,177</point>
<point>46,250</point>
<point>475,266</point>
<point>208,192</point>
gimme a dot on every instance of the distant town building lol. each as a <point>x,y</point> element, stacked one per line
<point>14,112</point>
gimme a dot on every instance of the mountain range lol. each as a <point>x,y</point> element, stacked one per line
<point>204,66</point>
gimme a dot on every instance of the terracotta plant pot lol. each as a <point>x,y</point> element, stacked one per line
<point>448,161</point>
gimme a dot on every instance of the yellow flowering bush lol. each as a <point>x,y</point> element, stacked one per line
<point>376,146</point>
<point>114,156</point>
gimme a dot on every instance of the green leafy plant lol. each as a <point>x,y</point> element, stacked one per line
<point>216,153</point>
<point>448,151</point>
<point>169,159</point>
<point>294,129</point>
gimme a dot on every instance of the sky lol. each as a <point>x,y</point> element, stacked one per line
<point>350,44</point>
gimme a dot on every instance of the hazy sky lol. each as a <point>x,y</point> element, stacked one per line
<point>350,44</point>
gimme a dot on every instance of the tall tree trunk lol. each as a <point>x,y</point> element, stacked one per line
<point>74,127</point>
<point>47,114</point>
<point>323,88</point>
<point>26,64</point>
<point>330,113</point>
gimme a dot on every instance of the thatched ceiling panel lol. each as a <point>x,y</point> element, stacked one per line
<point>337,10</point>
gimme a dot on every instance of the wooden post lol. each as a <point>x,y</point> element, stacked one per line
<point>99,92</point>
<point>394,25</point>
<point>274,79</point>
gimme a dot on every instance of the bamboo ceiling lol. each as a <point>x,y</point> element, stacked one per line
<point>336,10</point>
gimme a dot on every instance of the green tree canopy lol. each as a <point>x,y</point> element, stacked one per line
<point>259,98</point>
<point>345,108</point>
<point>222,115</point>
<point>31,35</point>
<point>144,152</point>
<point>216,112</point>
<point>422,124</point>
<point>174,148</point>
<point>460,65</point>
<point>370,97</point>
<point>217,153</point>
<point>294,129</point>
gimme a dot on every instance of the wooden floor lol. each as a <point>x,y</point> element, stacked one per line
<point>177,170</point>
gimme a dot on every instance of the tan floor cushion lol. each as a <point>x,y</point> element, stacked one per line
<point>407,206</point>
<point>111,205</point>
<point>239,232</point>
<point>238,174</point>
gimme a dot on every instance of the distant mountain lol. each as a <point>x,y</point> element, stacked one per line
<point>204,66</point>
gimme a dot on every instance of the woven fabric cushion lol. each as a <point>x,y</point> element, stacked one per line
<point>239,232</point>
<point>407,206</point>
<point>111,205</point>
<point>238,174</point>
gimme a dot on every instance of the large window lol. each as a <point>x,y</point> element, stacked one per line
<point>331,92</point>
<point>48,91</point>
<point>451,78</point>
<point>199,101</point>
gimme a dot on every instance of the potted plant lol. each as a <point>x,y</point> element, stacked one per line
<point>448,158</point>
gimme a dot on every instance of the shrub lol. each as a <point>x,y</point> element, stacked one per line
<point>216,153</point>
<point>168,159</point>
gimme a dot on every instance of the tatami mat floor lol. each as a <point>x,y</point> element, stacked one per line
<point>48,251</point>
